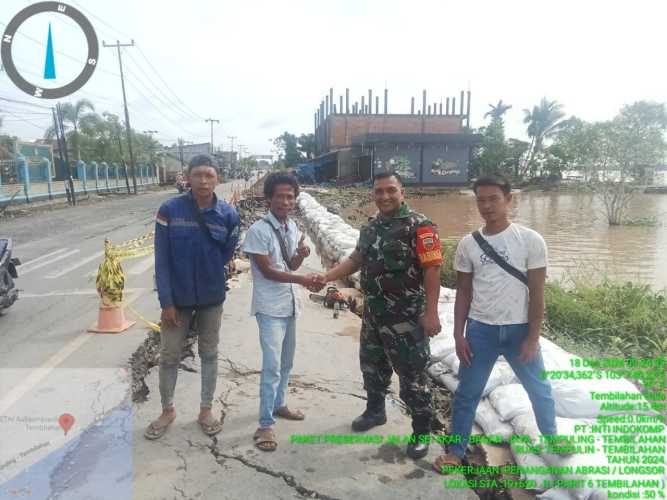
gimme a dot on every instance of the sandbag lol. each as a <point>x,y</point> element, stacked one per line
<point>509,401</point>
<point>487,418</point>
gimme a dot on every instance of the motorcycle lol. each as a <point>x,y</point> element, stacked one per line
<point>8,291</point>
<point>181,184</point>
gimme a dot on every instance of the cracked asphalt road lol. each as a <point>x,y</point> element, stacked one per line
<point>325,384</point>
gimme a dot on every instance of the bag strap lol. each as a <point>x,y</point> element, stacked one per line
<point>200,220</point>
<point>282,243</point>
<point>489,251</point>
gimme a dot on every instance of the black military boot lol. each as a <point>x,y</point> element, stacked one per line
<point>374,415</point>
<point>418,447</point>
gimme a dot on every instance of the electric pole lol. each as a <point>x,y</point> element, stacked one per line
<point>118,45</point>
<point>212,121</point>
<point>231,152</point>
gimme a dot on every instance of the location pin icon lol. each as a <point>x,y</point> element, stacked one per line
<point>66,421</point>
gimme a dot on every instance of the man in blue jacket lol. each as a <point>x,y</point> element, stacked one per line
<point>195,237</point>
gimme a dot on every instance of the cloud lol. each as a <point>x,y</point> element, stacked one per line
<point>272,123</point>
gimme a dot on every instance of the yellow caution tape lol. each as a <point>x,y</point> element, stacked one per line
<point>153,326</point>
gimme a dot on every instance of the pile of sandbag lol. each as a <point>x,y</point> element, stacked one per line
<point>505,409</point>
<point>334,239</point>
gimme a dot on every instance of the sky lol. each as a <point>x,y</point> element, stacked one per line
<point>262,67</point>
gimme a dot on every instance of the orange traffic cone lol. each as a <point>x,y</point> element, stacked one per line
<point>111,319</point>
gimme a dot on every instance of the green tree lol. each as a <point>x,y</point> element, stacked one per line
<point>544,121</point>
<point>288,150</point>
<point>635,143</point>
<point>496,112</point>
<point>307,145</point>
<point>73,114</point>
<point>490,156</point>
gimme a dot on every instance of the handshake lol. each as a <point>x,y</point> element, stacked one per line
<point>314,281</point>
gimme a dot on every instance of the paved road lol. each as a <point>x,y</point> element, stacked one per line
<point>49,363</point>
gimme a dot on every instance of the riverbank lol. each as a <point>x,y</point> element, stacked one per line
<point>592,316</point>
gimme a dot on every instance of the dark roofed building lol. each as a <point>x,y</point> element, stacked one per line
<point>429,147</point>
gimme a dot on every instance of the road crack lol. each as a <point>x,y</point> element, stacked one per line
<point>287,478</point>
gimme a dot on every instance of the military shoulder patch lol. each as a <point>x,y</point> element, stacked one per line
<point>428,246</point>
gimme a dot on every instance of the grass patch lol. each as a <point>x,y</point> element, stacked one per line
<point>623,320</point>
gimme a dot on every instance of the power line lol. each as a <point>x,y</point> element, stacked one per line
<point>166,84</point>
<point>170,104</point>
<point>128,127</point>
<point>24,102</point>
<point>96,96</point>
<point>184,106</point>
<point>72,58</point>
<point>175,124</point>
<point>99,19</point>
<point>28,122</point>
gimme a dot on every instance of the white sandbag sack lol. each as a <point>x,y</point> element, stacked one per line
<point>447,295</point>
<point>510,400</point>
<point>487,418</point>
<point>565,484</point>
<point>442,345</point>
<point>449,381</point>
<point>532,467</point>
<point>436,369</point>
<point>453,362</point>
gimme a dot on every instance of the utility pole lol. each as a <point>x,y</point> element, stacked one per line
<point>118,45</point>
<point>180,152</point>
<point>62,149</point>
<point>212,121</point>
<point>122,159</point>
<point>231,152</point>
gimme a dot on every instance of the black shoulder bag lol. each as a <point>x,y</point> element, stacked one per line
<point>490,252</point>
<point>283,245</point>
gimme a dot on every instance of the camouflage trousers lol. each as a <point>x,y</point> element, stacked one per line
<point>385,348</point>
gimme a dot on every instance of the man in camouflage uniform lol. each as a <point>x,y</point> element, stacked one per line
<point>399,256</point>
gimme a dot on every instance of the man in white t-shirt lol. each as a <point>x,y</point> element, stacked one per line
<point>501,313</point>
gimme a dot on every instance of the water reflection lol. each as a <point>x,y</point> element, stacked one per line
<point>576,230</point>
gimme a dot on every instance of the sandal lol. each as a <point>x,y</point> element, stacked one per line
<point>158,427</point>
<point>443,461</point>
<point>265,439</point>
<point>210,426</point>
<point>288,414</point>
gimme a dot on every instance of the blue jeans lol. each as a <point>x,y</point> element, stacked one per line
<point>487,342</point>
<point>277,337</point>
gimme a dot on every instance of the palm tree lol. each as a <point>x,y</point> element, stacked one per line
<point>544,121</point>
<point>73,115</point>
<point>497,111</point>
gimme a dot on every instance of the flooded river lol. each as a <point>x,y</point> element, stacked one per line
<point>576,231</point>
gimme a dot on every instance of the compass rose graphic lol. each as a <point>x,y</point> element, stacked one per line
<point>49,62</point>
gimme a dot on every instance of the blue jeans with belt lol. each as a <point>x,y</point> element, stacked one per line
<point>487,342</point>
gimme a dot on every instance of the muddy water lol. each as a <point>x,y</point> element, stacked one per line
<point>575,228</point>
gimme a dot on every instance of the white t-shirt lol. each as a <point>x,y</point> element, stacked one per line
<point>498,298</point>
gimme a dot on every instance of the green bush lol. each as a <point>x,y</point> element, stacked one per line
<point>447,272</point>
<point>613,319</point>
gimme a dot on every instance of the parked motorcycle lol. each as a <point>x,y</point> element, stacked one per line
<point>8,291</point>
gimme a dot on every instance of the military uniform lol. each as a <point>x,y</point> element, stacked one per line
<point>393,252</point>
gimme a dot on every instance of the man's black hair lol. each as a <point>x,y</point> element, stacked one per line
<point>386,175</point>
<point>202,161</point>
<point>493,180</point>
<point>274,179</point>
